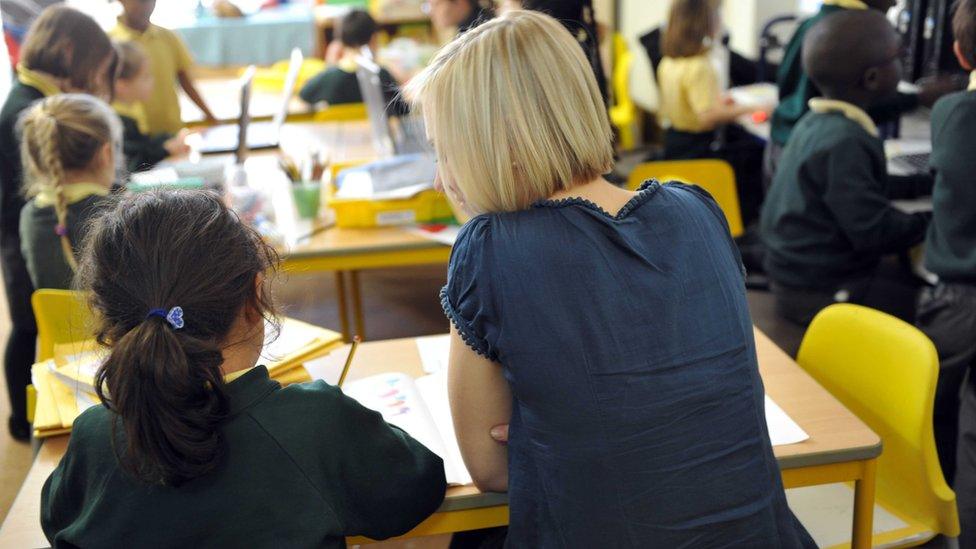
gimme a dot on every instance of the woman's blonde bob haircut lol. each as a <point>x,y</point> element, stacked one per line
<point>514,112</point>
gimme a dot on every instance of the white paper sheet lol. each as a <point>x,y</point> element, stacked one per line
<point>397,397</point>
<point>434,351</point>
<point>782,429</point>
<point>445,234</point>
<point>433,388</point>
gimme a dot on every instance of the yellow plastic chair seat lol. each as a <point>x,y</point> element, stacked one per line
<point>342,113</point>
<point>885,371</point>
<point>715,176</point>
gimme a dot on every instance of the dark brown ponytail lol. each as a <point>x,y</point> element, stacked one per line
<point>158,251</point>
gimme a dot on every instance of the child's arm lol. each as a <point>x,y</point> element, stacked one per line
<point>388,481</point>
<point>861,207</point>
<point>315,89</point>
<point>191,90</point>
<point>724,112</point>
<point>702,92</point>
<point>907,187</point>
<point>480,401</point>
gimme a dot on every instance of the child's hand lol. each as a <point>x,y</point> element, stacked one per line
<point>176,146</point>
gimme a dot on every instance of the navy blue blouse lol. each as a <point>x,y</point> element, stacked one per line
<point>638,415</point>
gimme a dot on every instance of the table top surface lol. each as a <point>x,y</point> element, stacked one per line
<point>836,435</point>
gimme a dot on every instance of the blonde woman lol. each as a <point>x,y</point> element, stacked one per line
<point>608,328</point>
<point>70,148</point>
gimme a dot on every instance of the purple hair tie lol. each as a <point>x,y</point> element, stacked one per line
<point>60,230</point>
<point>174,316</point>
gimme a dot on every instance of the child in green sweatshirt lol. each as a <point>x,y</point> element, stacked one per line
<point>194,445</point>
<point>828,220</point>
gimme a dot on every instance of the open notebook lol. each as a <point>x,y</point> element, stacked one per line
<point>419,407</point>
<point>65,385</point>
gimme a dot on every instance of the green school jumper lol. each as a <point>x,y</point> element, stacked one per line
<point>305,466</point>
<point>796,89</point>
<point>142,151</point>
<point>41,246</point>
<point>950,247</point>
<point>828,218</point>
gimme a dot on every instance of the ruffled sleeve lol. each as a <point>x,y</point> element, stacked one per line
<point>467,299</point>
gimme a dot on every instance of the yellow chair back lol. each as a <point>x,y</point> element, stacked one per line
<point>885,371</point>
<point>715,176</point>
<point>62,317</point>
<point>623,114</point>
<point>342,113</point>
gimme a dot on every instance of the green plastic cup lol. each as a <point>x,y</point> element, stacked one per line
<point>308,197</point>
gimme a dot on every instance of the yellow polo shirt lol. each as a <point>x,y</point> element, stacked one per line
<point>168,57</point>
<point>689,87</point>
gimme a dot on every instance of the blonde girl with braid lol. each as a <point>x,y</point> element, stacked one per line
<point>70,146</point>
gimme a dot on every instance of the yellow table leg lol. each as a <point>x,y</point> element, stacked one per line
<point>343,307</point>
<point>864,507</point>
<point>357,304</point>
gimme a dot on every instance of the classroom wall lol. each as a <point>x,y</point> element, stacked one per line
<point>743,18</point>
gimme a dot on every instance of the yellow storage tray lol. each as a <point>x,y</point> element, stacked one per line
<point>425,207</point>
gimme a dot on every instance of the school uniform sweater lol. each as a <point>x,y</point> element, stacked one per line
<point>950,246</point>
<point>304,466</point>
<point>142,151</point>
<point>40,244</point>
<point>338,85</point>
<point>828,217</point>
<point>796,89</point>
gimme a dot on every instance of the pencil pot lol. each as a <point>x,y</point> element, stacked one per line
<point>308,196</point>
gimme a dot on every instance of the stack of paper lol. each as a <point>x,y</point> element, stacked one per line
<point>65,385</point>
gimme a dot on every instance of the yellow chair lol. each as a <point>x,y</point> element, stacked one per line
<point>63,318</point>
<point>623,115</point>
<point>715,176</point>
<point>272,79</point>
<point>342,113</point>
<point>885,370</point>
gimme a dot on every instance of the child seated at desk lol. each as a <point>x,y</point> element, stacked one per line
<point>70,145</point>
<point>828,220</point>
<point>195,445</point>
<point>337,84</point>
<point>947,312</point>
<point>700,120</point>
<point>796,88</point>
<point>133,88</point>
<point>170,61</point>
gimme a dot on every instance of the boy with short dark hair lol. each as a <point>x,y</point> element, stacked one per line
<point>828,220</point>
<point>337,84</point>
<point>947,313</point>
<point>171,64</point>
<point>796,89</point>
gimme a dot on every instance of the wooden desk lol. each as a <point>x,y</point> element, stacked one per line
<point>840,448</point>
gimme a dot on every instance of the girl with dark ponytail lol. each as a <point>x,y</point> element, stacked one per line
<point>195,445</point>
